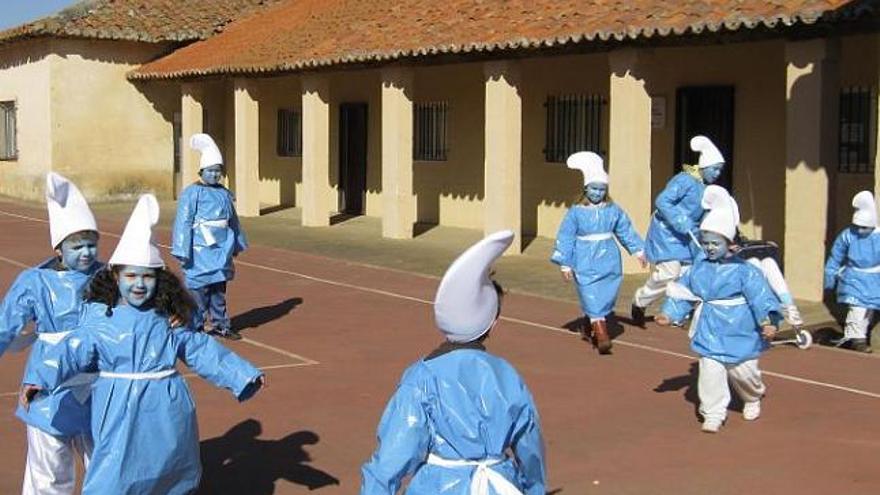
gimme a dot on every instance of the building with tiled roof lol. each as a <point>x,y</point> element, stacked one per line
<point>462,112</point>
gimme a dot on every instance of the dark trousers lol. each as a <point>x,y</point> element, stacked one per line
<point>211,303</point>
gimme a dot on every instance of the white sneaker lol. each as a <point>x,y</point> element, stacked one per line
<point>751,410</point>
<point>792,315</point>
<point>711,425</point>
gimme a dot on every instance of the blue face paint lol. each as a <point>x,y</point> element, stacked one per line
<point>715,245</point>
<point>137,285</point>
<point>78,252</point>
<point>211,175</point>
<point>864,231</point>
<point>712,173</point>
<point>595,192</point>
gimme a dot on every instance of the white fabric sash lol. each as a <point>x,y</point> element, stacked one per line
<point>24,340</point>
<point>677,291</point>
<point>154,375</point>
<point>870,269</point>
<point>483,476</point>
<point>205,227</point>
<point>596,237</point>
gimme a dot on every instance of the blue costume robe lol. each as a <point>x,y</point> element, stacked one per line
<point>465,404</point>
<point>596,262</point>
<point>145,431</point>
<point>854,266</point>
<point>678,213</point>
<point>201,239</point>
<point>52,299</point>
<point>726,330</point>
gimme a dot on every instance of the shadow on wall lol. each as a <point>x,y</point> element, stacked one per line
<point>240,462</point>
<point>256,317</point>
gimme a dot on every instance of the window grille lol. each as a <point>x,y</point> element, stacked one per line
<point>574,123</point>
<point>289,132</point>
<point>8,149</point>
<point>857,128</point>
<point>429,131</point>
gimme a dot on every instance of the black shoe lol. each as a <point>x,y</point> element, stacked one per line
<point>230,335</point>
<point>638,315</point>
<point>858,345</point>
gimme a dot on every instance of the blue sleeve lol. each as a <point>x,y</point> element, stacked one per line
<point>76,353</point>
<point>836,259</point>
<point>760,296</point>
<point>241,242</point>
<point>217,364</point>
<point>563,255</point>
<point>404,438</point>
<point>667,204</point>
<point>17,309</point>
<point>678,309</point>
<point>181,235</point>
<point>627,235</point>
<point>528,448</point>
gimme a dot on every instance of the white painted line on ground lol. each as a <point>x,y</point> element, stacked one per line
<point>512,320</point>
<point>277,350</point>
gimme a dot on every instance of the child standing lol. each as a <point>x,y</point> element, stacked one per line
<point>854,268</point>
<point>143,421</point>
<point>50,295</point>
<point>669,245</point>
<point>736,315</point>
<point>458,412</point>
<point>586,250</point>
<point>207,235</point>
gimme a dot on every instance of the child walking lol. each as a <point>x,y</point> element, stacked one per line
<point>586,250</point>
<point>206,237</point>
<point>853,267</point>
<point>458,413</point>
<point>143,416</point>
<point>736,315</point>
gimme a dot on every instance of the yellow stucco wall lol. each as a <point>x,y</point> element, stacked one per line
<point>280,176</point>
<point>112,137</point>
<point>24,78</point>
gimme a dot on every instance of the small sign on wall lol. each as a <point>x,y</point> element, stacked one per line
<point>658,112</point>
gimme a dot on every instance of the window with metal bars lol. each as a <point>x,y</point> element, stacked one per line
<point>429,131</point>
<point>8,149</point>
<point>574,123</point>
<point>858,122</point>
<point>289,132</point>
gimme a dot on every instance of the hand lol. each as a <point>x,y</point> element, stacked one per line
<point>662,320</point>
<point>643,262</point>
<point>768,332</point>
<point>567,275</point>
<point>263,381</point>
<point>175,321</point>
<point>28,393</point>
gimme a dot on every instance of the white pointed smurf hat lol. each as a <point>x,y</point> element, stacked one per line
<point>136,246</point>
<point>466,304</point>
<point>68,211</point>
<point>866,210</point>
<point>723,215</point>
<point>709,153</point>
<point>205,145</point>
<point>591,165</point>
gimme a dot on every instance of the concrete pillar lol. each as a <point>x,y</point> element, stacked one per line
<point>192,97</point>
<point>812,91</point>
<point>247,148</point>
<point>316,189</point>
<point>503,152</point>
<point>398,214</point>
<point>629,142</point>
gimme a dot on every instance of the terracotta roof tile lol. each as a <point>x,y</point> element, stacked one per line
<point>301,34</point>
<point>138,20</point>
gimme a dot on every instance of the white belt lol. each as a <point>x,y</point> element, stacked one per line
<point>24,340</point>
<point>52,338</point>
<point>205,227</point>
<point>677,291</point>
<point>596,237</point>
<point>870,269</point>
<point>483,477</point>
<point>154,375</point>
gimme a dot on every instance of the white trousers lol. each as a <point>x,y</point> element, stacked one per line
<point>857,322</point>
<point>51,462</point>
<point>714,391</point>
<point>655,287</point>
<point>773,274</point>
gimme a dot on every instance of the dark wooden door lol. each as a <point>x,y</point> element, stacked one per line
<point>352,157</point>
<point>706,110</point>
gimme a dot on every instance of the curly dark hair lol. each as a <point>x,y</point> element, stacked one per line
<point>171,297</point>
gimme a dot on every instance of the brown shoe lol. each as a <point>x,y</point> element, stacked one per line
<point>586,331</point>
<point>600,337</point>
